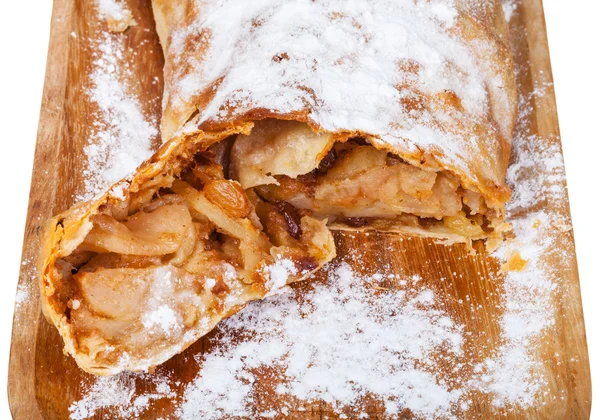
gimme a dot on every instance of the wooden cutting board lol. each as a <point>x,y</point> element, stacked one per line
<point>43,382</point>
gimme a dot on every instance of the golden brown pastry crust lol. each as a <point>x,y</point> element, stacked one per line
<point>482,138</point>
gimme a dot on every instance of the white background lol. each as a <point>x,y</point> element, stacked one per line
<point>574,35</point>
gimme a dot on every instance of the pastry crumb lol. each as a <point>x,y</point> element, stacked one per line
<point>515,263</point>
<point>121,25</point>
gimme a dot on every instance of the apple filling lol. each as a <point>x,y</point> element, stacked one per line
<point>354,184</point>
<point>159,269</point>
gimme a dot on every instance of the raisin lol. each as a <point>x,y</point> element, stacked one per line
<point>355,221</point>
<point>229,196</point>
<point>327,161</point>
<point>306,264</point>
<point>291,216</point>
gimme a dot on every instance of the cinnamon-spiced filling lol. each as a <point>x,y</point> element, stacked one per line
<point>351,182</point>
<point>162,263</point>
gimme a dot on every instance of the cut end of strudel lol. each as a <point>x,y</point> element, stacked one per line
<point>140,274</point>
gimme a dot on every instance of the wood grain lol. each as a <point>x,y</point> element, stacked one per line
<point>43,382</point>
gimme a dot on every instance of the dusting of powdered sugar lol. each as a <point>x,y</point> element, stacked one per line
<point>360,66</point>
<point>279,273</point>
<point>163,317</point>
<point>122,134</point>
<point>160,317</point>
<point>343,342</point>
<point>118,393</point>
<point>27,283</point>
<point>509,7</point>
<point>112,9</point>
<point>22,294</point>
<point>515,375</point>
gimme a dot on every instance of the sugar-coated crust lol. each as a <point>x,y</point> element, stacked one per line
<point>472,143</point>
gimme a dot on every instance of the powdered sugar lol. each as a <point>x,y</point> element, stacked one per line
<point>280,272</point>
<point>22,294</point>
<point>160,316</point>
<point>118,393</point>
<point>344,342</point>
<point>118,191</point>
<point>509,7</point>
<point>515,375</point>
<point>27,284</point>
<point>163,317</point>
<point>406,22</point>
<point>112,9</point>
<point>122,133</point>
